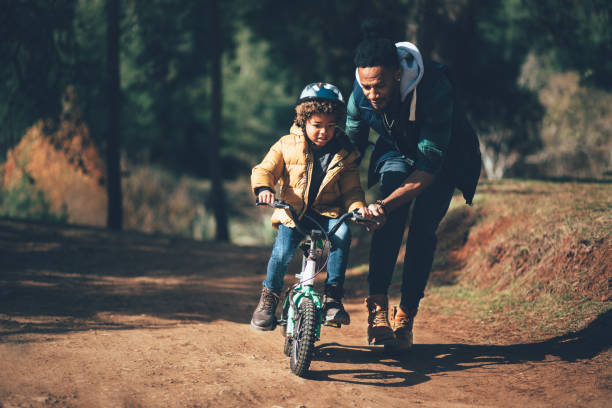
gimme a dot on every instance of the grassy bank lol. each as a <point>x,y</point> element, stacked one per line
<point>530,259</point>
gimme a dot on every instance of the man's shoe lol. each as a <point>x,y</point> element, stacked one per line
<point>379,329</point>
<point>264,315</point>
<point>402,328</point>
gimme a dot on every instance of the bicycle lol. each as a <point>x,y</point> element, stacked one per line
<point>302,314</point>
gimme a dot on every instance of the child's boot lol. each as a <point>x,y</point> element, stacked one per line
<point>379,329</point>
<point>335,315</point>
<point>402,327</point>
<point>264,315</point>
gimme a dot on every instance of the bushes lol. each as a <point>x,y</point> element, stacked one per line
<point>24,200</point>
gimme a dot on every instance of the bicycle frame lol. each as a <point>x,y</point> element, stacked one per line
<point>305,288</point>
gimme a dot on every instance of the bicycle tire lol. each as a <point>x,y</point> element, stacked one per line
<point>304,334</point>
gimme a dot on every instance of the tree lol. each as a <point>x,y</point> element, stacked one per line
<point>577,35</point>
<point>214,136</point>
<point>427,26</point>
<point>113,145</point>
<point>316,40</point>
<point>36,42</point>
<point>485,43</point>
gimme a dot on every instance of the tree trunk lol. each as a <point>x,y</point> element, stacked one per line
<point>214,142</point>
<point>426,35</point>
<point>462,52</point>
<point>114,215</point>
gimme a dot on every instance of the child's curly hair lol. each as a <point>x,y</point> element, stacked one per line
<point>305,110</point>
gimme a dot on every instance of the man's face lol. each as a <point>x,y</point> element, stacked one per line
<point>380,85</point>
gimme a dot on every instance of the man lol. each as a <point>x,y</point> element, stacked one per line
<point>424,150</point>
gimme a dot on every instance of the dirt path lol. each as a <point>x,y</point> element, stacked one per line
<point>95,319</point>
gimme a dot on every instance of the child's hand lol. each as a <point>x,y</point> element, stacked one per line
<point>266,196</point>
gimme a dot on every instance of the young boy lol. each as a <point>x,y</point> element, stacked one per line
<point>316,168</point>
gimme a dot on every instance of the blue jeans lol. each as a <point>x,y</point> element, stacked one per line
<point>429,209</point>
<point>287,240</point>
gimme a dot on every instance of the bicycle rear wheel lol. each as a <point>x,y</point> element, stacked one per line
<point>303,338</point>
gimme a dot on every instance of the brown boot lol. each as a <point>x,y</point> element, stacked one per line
<point>379,329</point>
<point>264,315</point>
<point>402,327</point>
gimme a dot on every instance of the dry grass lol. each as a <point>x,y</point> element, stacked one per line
<point>536,257</point>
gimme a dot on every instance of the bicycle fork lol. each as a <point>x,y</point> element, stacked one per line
<point>302,290</point>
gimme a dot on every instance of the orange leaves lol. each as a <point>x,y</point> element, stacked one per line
<point>65,166</point>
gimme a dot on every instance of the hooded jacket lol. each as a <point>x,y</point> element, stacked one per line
<point>290,161</point>
<point>432,134</point>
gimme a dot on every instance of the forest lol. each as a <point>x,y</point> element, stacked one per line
<point>149,115</point>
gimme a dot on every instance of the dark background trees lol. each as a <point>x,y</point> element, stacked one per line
<point>113,139</point>
<point>202,94</point>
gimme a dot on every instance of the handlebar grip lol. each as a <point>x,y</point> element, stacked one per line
<point>276,204</point>
<point>358,218</point>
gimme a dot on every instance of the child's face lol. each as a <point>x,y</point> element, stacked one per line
<point>320,128</point>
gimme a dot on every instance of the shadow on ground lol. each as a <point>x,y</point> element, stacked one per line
<point>424,360</point>
<point>57,278</point>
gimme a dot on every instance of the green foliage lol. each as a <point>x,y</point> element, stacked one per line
<point>271,50</point>
<point>88,60</point>
<point>257,108</point>
<point>165,83</point>
<point>577,34</point>
<point>23,200</point>
<point>506,113</point>
<point>36,42</point>
<point>315,40</point>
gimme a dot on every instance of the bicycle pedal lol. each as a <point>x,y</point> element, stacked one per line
<point>333,324</point>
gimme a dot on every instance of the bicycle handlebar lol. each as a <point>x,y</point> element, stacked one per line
<point>353,215</point>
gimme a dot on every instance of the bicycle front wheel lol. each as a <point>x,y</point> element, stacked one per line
<point>304,335</point>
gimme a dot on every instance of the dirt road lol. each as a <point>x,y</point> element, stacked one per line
<point>89,318</point>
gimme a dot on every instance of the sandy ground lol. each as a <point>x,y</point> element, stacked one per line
<point>89,318</point>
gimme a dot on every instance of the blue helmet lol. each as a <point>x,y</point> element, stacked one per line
<point>320,91</point>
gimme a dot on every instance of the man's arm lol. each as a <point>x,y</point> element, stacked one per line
<point>409,190</point>
<point>411,187</point>
<point>356,129</point>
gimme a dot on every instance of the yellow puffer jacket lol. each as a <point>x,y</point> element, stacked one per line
<point>289,162</point>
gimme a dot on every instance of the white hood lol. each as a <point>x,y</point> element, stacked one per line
<point>411,63</point>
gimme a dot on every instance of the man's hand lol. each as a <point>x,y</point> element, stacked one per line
<point>266,197</point>
<point>377,213</point>
<point>365,213</point>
